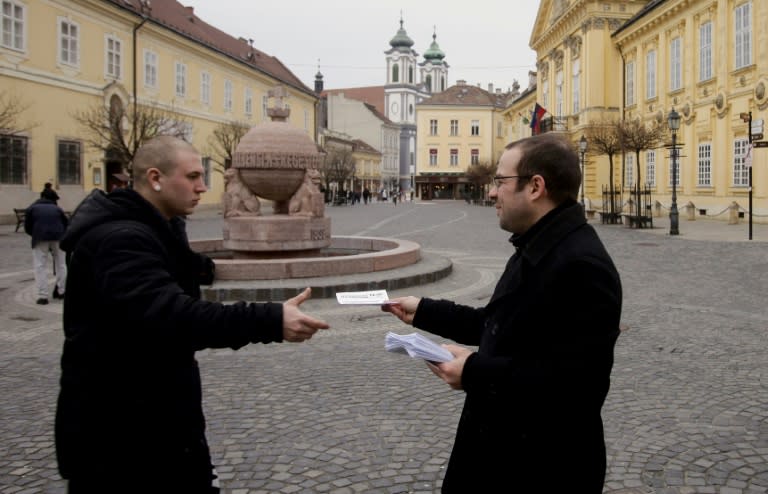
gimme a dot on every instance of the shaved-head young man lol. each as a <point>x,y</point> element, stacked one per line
<point>129,416</point>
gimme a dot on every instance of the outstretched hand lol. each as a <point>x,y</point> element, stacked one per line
<point>404,308</point>
<point>298,326</point>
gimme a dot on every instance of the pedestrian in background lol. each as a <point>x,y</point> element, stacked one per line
<point>536,384</point>
<point>49,193</point>
<point>130,416</point>
<point>46,222</point>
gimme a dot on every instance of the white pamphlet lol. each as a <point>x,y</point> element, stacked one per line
<point>371,297</point>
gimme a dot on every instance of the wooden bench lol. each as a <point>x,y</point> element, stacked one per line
<point>20,213</point>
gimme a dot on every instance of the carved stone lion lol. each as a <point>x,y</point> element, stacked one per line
<point>238,199</point>
<point>308,200</point>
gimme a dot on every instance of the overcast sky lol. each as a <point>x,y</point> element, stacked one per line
<point>485,41</point>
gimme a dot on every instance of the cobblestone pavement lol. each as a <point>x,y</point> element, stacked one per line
<point>687,411</point>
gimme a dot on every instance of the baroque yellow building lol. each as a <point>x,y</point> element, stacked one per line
<point>61,57</point>
<point>460,127</point>
<point>620,60</point>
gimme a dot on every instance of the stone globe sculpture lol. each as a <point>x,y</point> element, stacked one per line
<point>280,163</point>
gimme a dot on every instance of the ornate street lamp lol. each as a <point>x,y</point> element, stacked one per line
<point>674,124</point>
<point>582,150</point>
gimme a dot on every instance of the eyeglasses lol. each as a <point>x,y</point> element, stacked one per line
<point>497,180</point>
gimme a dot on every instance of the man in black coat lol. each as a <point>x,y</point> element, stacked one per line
<point>46,222</point>
<point>129,416</point>
<point>536,384</point>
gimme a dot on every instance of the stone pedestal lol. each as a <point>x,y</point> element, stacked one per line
<point>263,236</point>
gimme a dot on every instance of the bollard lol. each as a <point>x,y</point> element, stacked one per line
<point>733,213</point>
<point>657,209</point>
<point>690,210</point>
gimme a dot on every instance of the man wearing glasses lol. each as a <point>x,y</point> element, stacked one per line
<point>535,385</point>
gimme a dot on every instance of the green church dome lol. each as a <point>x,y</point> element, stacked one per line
<point>401,39</point>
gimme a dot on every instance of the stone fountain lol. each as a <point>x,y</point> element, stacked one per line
<point>274,256</point>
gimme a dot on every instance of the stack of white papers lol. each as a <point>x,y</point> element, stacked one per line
<point>417,346</point>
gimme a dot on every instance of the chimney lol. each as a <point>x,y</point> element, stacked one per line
<point>531,78</point>
<point>461,82</point>
<point>190,10</point>
<point>490,87</point>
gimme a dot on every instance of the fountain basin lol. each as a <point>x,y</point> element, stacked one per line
<point>366,255</point>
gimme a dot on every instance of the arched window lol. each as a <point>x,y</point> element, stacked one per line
<point>442,83</point>
<point>395,73</point>
<point>410,75</point>
<point>429,83</point>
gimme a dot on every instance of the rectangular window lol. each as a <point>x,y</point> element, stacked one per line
<point>12,25</point>
<point>650,168</point>
<point>433,127</point>
<point>205,88</point>
<point>207,171</point>
<point>454,157</point>
<point>306,120</point>
<point>629,83</point>
<point>114,57</point>
<point>454,127</point>
<point>249,102</point>
<point>545,93</point>
<point>740,168</point>
<point>227,95</point>
<point>559,93</point>
<point>264,103</point>
<point>475,157</point>
<point>69,160</point>
<point>704,175</point>
<point>705,51</point>
<point>576,86</point>
<point>181,80</point>
<point>433,157</point>
<point>650,74</point>
<point>675,64</point>
<point>69,47</point>
<point>475,128</point>
<point>150,68</point>
<point>13,160</point>
<point>742,16</point>
<point>629,170</point>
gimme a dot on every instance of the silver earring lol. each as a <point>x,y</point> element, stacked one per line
<point>157,187</point>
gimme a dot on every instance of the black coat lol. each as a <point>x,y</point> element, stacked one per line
<point>130,398</point>
<point>45,221</point>
<point>535,387</point>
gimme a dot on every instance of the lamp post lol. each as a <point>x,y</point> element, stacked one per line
<point>674,124</point>
<point>582,150</point>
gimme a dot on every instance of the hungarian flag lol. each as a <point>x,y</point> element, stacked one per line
<point>538,115</point>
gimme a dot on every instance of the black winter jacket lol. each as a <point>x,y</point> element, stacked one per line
<point>45,221</point>
<point>130,396</point>
<point>535,387</point>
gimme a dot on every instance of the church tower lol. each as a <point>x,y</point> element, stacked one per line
<point>434,70</point>
<point>401,88</point>
<point>401,93</point>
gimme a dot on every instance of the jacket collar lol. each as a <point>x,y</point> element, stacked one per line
<point>534,244</point>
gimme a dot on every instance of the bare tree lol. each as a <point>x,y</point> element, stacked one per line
<point>636,136</point>
<point>11,108</point>
<point>338,167</point>
<point>121,133</point>
<point>223,142</point>
<point>480,174</point>
<point>604,138</point>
